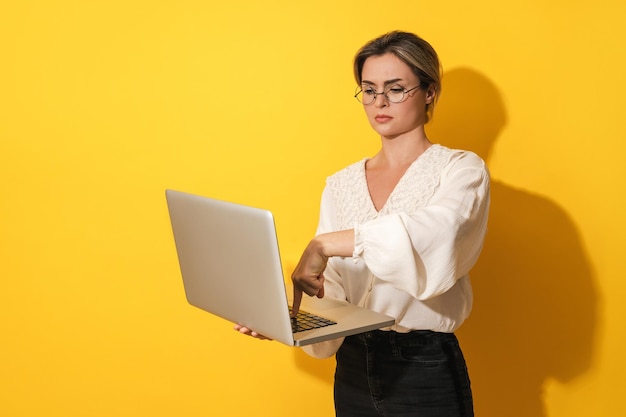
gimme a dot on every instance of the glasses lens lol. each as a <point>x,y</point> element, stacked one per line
<point>395,94</point>
<point>365,94</point>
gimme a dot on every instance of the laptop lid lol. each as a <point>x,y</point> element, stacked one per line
<point>230,263</point>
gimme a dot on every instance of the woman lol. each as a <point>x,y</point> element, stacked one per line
<point>398,234</point>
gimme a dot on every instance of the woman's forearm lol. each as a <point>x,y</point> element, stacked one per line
<point>336,243</point>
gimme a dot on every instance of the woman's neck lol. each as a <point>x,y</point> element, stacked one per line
<point>402,150</point>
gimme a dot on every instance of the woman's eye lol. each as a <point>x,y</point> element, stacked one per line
<point>396,90</point>
<point>369,91</point>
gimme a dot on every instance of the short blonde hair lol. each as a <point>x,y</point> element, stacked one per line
<point>414,51</point>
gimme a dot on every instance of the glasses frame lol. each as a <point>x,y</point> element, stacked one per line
<point>384,93</point>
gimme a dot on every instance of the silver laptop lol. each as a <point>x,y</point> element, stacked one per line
<point>230,264</point>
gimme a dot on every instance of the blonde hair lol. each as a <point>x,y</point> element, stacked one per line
<point>414,51</point>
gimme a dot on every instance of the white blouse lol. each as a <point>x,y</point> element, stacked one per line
<point>412,258</point>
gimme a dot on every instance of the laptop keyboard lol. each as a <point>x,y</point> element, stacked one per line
<point>307,321</point>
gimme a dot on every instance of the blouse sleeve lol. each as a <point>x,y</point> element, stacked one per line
<point>425,252</point>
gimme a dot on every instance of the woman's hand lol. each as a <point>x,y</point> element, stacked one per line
<point>308,277</point>
<point>244,330</point>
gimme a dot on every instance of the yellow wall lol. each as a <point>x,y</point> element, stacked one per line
<point>104,104</point>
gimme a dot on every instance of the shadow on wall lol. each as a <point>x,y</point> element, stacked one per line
<point>535,307</point>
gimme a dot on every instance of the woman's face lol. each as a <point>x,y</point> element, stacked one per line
<point>388,72</point>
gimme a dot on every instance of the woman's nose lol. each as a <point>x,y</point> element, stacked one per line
<point>383,100</point>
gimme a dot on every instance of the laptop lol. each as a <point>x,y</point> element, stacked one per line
<point>230,264</point>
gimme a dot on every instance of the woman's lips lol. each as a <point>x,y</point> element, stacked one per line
<point>382,118</point>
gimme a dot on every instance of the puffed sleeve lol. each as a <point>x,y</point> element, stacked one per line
<point>425,252</point>
<point>332,285</point>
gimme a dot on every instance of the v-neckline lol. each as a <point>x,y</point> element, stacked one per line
<point>395,188</point>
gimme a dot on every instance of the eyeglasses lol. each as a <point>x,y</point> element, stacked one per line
<point>394,94</point>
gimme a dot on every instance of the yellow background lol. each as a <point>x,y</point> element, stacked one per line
<point>105,104</point>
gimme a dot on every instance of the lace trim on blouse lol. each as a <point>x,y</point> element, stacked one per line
<point>354,205</point>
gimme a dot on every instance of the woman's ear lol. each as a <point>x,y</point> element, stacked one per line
<point>430,94</point>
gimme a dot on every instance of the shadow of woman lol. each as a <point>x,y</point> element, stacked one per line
<point>535,309</point>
